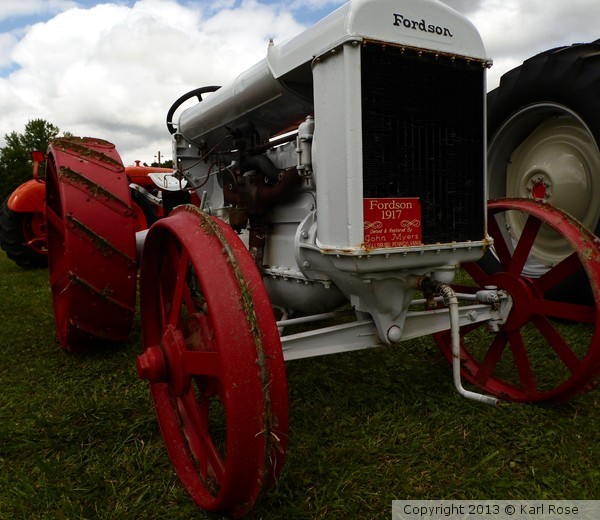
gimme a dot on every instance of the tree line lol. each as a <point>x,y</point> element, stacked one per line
<point>16,165</point>
<point>15,157</point>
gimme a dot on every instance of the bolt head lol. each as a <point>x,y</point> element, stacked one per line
<point>394,334</point>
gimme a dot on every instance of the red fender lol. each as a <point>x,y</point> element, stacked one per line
<point>29,197</point>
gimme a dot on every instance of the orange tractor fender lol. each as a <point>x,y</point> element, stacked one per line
<point>139,174</point>
<point>29,197</point>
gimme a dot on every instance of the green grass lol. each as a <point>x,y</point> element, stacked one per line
<point>79,439</point>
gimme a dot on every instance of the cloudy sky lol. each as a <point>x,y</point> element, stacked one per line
<point>112,68</point>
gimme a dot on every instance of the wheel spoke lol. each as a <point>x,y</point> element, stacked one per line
<point>524,245</point>
<point>522,362</point>
<point>565,311</point>
<point>200,333</point>
<point>188,301</point>
<point>163,302</point>
<point>560,272</point>
<point>558,344</point>
<point>195,419</point>
<point>492,357</point>
<point>166,282</point>
<point>500,245</point>
<point>181,267</point>
<point>203,418</point>
<point>477,273</point>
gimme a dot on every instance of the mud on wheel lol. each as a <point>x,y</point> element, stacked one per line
<point>213,357</point>
<point>91,242</point>
<point>547,349</point>
<point>544,128</point>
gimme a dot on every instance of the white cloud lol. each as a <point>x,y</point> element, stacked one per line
<point>7,43</point>
<point>514,30</point>
<point>13,8</point>
<point>113,71</point>
<point>313,4</point>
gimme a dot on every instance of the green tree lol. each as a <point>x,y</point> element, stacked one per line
<point>15,160</point>
<point>164,164</point>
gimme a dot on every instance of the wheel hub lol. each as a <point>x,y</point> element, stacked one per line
<point>164,363</point>
<point>173,344</point>
<point>151,365</point>
<point>539,186</point>
<point>546,152</point>
<point>34,232</point>
<point>523,297</point>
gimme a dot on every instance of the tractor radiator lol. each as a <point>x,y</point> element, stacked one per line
<point>423,136</point>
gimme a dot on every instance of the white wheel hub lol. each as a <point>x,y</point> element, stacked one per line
<point>546,152</point>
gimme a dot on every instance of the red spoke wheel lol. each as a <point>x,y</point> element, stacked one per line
<point>213,357</point>
<point>547,349</point>
<point>91,242</point>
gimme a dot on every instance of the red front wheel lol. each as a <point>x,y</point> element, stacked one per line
<point>213,358</point>
<point>548,348</point>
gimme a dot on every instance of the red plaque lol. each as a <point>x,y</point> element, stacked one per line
<point>392,222</point>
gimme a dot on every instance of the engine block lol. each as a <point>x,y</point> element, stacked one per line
<point>352,157</point>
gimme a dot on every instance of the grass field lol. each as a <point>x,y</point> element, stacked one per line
<point>79,439</point>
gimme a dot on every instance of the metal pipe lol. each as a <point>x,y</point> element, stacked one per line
<point>461,296</point>
<point>310,319</point>
<point>451,301</point>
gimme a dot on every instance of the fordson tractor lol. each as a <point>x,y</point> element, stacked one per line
<point>343,176</point>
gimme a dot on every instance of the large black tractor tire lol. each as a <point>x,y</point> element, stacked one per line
<point>543,143</point>
<point>13,242</point>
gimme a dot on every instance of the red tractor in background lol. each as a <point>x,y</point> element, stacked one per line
<point>23,231</point>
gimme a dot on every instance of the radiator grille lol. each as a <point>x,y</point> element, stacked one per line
<point>423,121</point>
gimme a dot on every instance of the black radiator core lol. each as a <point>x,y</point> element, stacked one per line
<point>423,124</point>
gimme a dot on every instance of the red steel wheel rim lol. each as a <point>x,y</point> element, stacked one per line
<point>91,243</point>
<point>213,357</point>
<point>548,349</point>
